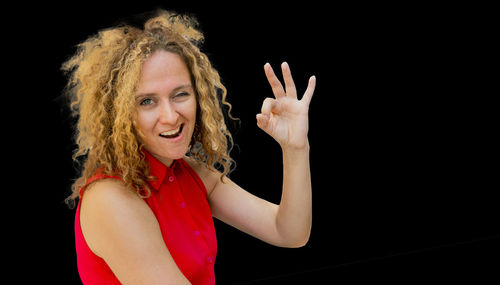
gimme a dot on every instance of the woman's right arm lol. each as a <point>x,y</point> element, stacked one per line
<point>119,227</point>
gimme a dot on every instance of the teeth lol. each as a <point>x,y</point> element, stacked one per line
<point>173,132</point>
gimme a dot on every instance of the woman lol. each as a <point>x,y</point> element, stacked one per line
<point>156,148</point>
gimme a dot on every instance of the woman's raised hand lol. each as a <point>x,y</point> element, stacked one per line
<point>284,117</point>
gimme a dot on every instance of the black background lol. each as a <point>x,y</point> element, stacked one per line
<point>404,155</point>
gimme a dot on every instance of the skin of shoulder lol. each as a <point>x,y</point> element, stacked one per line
<point>119,227</point>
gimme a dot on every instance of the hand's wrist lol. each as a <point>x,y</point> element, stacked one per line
<point>294,149</point>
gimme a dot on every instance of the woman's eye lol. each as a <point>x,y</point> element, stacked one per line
<point>180,94</point>
<point>146,101</point>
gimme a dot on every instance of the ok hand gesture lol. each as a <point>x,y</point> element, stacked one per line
<point>284,117</point>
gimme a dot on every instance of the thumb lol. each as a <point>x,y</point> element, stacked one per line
<point>262,121</point>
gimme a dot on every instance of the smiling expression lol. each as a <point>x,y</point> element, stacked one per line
<point>166,106</point>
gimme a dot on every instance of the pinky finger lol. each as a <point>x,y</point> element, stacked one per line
<point>310,90</point>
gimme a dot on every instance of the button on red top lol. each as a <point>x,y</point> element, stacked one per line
<point>189,250</point>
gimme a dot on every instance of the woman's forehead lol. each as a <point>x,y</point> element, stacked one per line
<point>162,70</point>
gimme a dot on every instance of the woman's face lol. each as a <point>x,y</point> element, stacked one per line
<point>166,106</point>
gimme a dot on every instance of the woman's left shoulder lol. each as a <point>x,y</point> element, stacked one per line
<point>208,176</point>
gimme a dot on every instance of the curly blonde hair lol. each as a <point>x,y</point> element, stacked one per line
<point>103,76</point>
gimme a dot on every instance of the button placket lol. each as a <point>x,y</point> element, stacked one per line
<point>210,259</point>
<point>197,234</point>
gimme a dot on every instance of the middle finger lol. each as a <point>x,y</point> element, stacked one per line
<point>273,81</point>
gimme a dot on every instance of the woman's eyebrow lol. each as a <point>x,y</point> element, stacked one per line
<point>181,87</point>
<point>140,95</point>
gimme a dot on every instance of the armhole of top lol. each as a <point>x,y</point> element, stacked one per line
<point>94,178</point>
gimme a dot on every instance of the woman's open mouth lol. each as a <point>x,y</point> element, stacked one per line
<point>173,133</point>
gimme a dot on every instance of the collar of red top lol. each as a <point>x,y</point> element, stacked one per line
<point>158,169</point>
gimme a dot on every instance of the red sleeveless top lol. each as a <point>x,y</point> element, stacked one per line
<point>179,202</point>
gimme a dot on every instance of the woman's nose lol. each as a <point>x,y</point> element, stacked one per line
<point>168,114</point>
